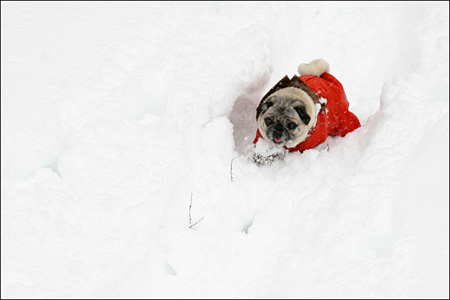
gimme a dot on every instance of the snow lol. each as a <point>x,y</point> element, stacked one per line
<point>113,114</point>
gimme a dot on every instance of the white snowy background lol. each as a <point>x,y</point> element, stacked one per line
<point>115,115</point>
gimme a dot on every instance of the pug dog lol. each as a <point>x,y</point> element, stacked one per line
<point>300,113</point>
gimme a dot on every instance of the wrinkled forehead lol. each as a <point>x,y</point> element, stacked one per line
<point>282,100</point>
<point>282,107</point>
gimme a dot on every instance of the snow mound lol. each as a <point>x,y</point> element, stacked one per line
<point>124,133</point>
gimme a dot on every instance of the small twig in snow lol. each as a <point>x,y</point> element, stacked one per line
<point>190,220</point>
<point>231,167</point>
<point>196,222</point>
<point>190,206</point>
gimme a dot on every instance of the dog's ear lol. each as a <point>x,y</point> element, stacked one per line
<point>301,110</point>
<point>263,107</point>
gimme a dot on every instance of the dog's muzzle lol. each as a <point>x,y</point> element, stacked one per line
<point>278,134</point>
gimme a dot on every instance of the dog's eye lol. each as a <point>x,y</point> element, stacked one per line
<point>291,126</point>
<point>268,121</point>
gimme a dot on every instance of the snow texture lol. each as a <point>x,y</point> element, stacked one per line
<point>114,113</point>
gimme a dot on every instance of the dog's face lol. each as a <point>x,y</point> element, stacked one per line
<point>285,117</point>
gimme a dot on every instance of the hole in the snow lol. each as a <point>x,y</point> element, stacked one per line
<point>243,114</point>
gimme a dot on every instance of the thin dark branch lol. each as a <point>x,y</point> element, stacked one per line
<point>231,167</point>
<point>190,207</point>
<point>196,222</point>
<point>190,219</point>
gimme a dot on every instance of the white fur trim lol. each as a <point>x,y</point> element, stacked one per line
<point>316,67</point>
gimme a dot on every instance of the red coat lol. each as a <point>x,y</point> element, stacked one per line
<point>336,119</point>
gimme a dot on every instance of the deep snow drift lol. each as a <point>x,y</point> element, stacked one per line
<point>120,121</point>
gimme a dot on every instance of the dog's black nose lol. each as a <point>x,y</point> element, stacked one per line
<point>278,131</point>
